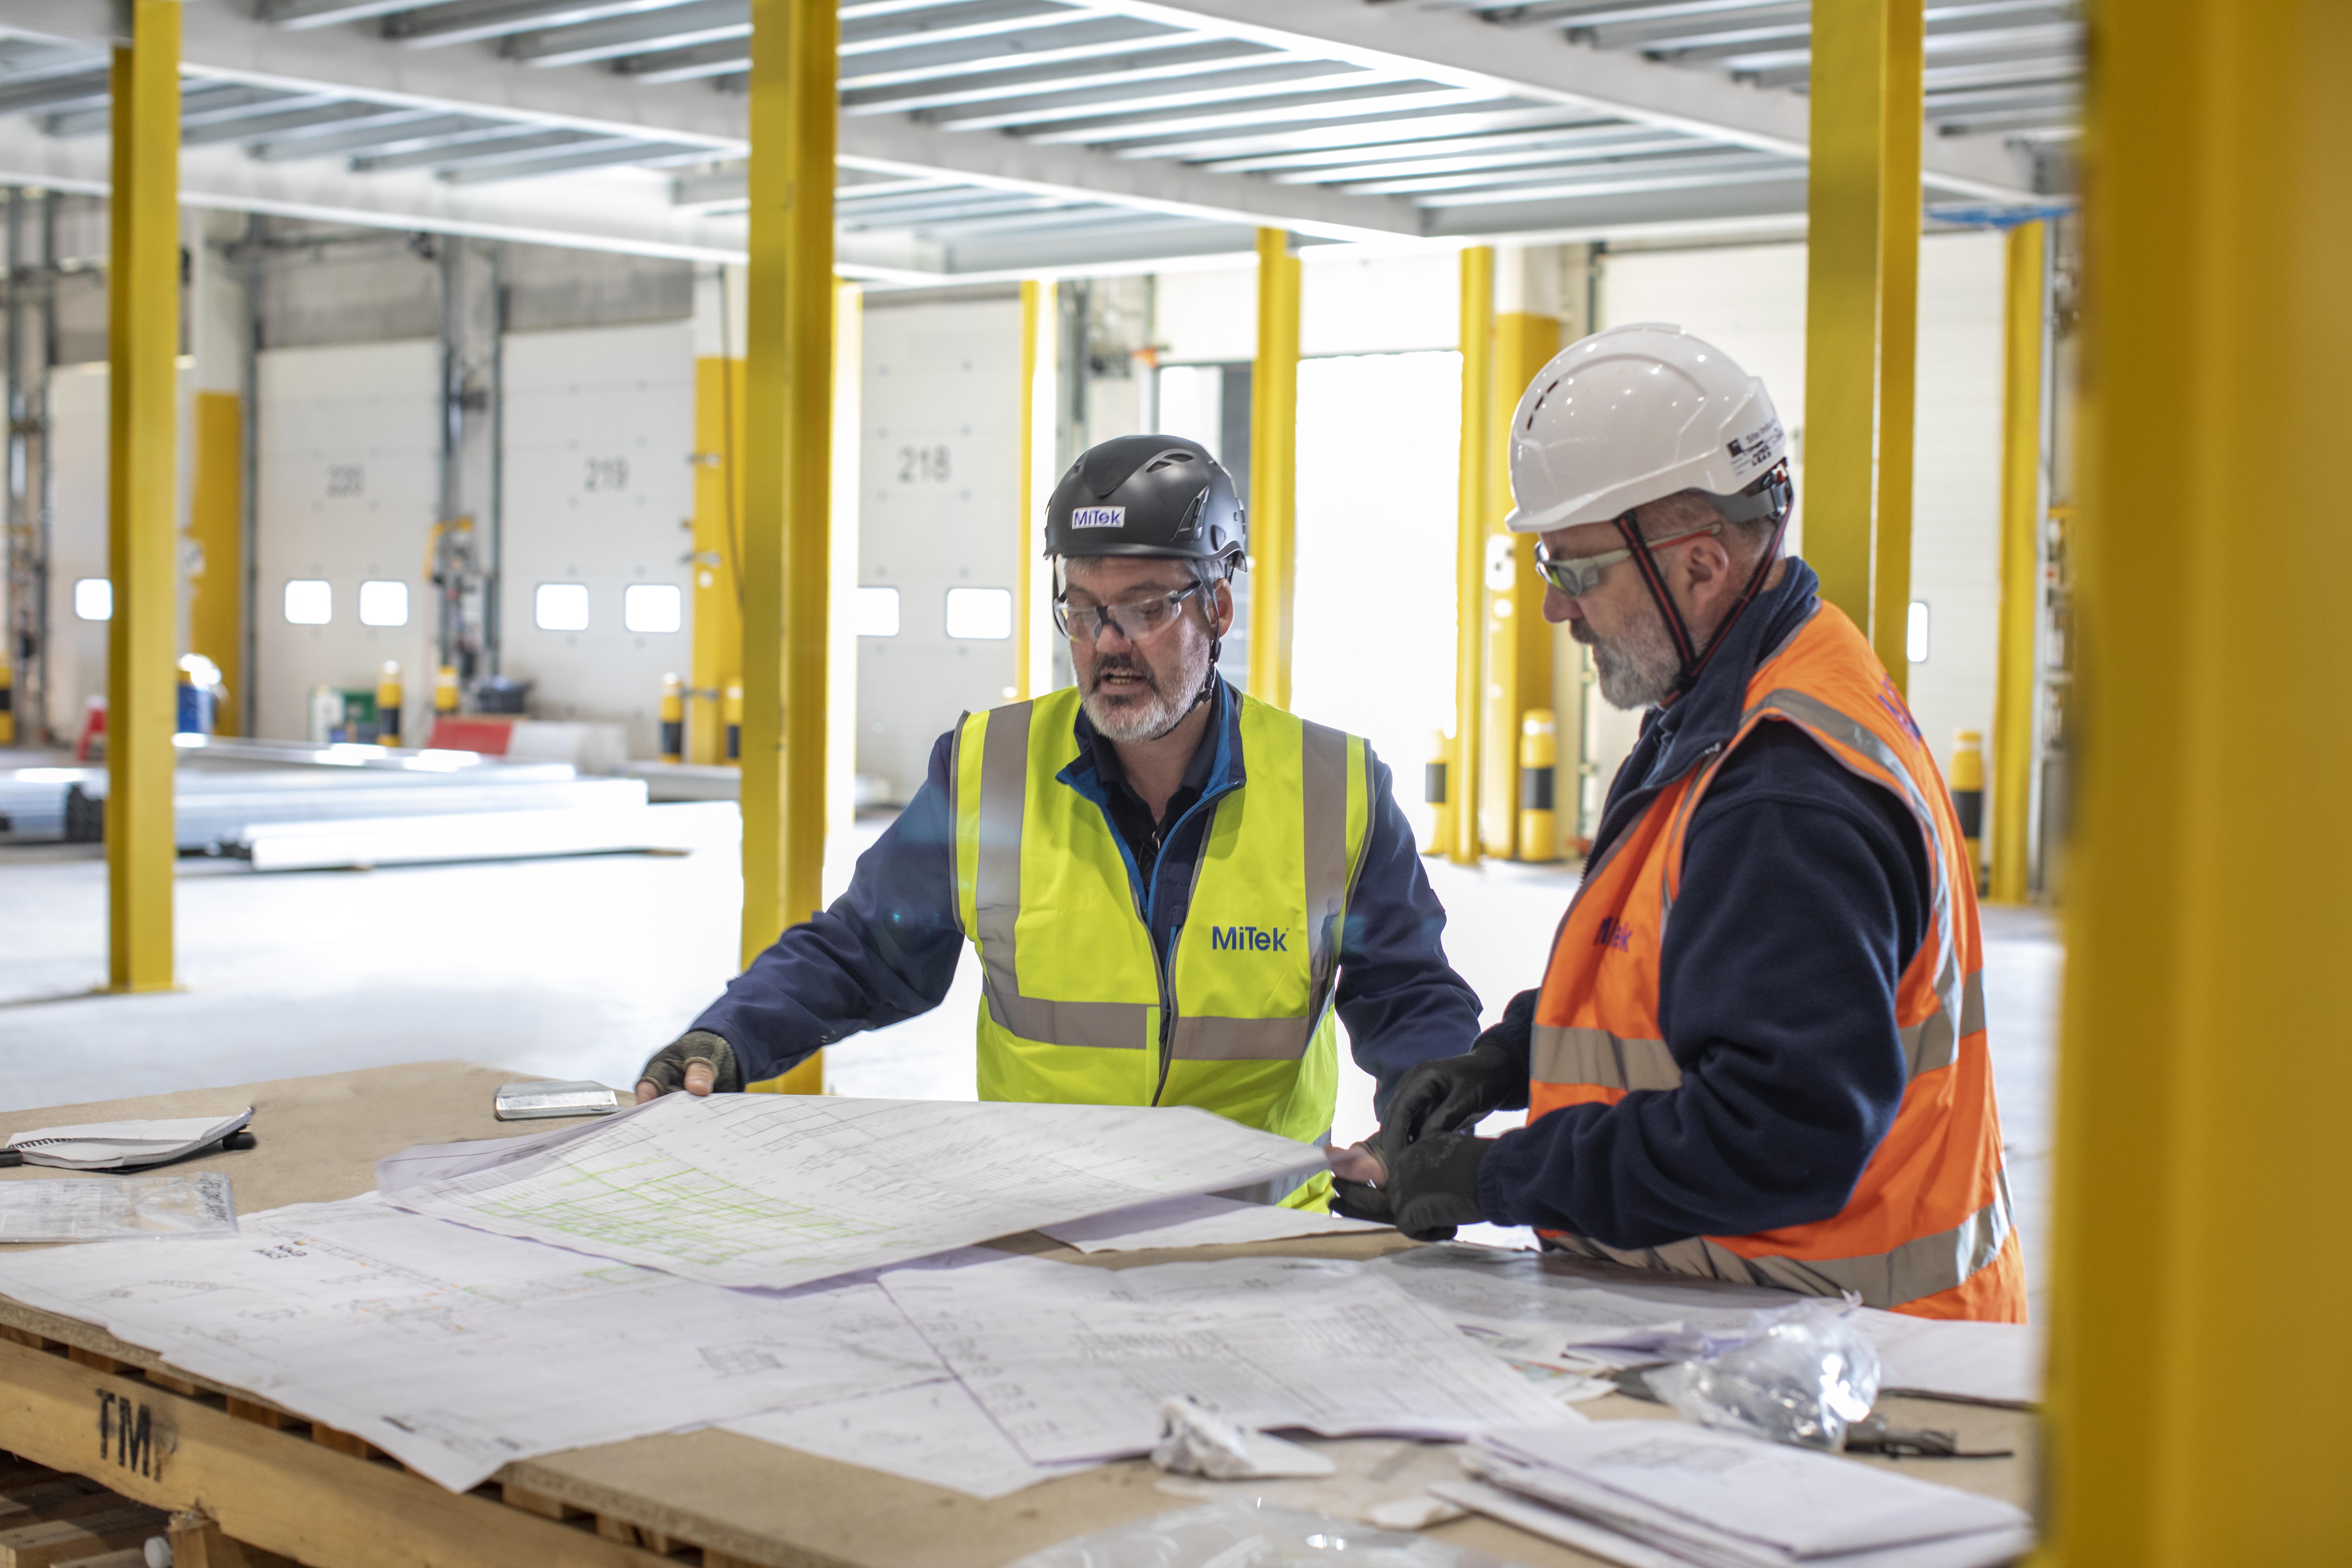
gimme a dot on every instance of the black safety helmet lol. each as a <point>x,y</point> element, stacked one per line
<point>1148,495</point>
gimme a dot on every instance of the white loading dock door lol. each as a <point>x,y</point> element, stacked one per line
<point>600,498</point>
<point>77,548</point>
<point>941,545</point>
<point>348,490</point>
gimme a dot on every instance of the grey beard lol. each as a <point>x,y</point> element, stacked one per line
<point>1637,670</point>
<point>1169,701</point>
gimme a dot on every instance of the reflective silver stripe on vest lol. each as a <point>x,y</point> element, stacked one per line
<point>1915,1270</point>
<point>1933,1042</point>
<point>996,907</point>
<point>1562,1052</point>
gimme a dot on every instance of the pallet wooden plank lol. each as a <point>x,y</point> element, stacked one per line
<point>55,1541</point>
<point>275,1490</point>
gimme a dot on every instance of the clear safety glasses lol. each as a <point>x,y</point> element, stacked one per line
<point>1134,619</point>
<point>1576,575</point>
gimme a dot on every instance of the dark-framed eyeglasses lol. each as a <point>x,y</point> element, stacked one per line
<point>1134,619</point>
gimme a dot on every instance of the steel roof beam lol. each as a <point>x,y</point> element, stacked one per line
<point>448,152</point>
<point>1645,140</point>
<point>1718,161</point>
<point>1206,58</point>
<point>1279,78</point>
<point>1393,98</point>
<point>1302,164</point>
<point>476,21</point>
<point>57,93</point>
<point>1458,48</point>
<point>249,127</point>
<point>394,132</point>
<point>980,57</point>
<point>987,19</point>
<point>729,57</point>
<point>296,16</point>
<point>677,27</point>
<point>591,155</point>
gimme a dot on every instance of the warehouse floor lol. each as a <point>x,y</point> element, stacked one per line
<point>579,968</point>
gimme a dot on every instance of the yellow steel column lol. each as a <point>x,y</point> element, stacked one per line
<point>2017,688</point>
<point>2202,1164</point>
<point>1462,785</point>
<point>1519,639</point>
<point>1034,297</point>
<point>1865,57</point>
<point>718,651</point>
<point>142,343</point>
<point>216,556</point>
<point>1274,442</point>
<point>788,470</point>
<point>1902,110</point>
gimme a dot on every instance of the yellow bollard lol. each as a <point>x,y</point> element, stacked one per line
<point>388,705</point>
<point>1432,790</point>
<point>445,690</point>
<point>730,713</point>
<point>1538,764</point>
<point>673,719</point>
<point>1968,795</point>
<point>8,702</point>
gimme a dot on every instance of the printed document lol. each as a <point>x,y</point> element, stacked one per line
<point>454,1350</point>
<point>782,1190</point>
<point>1202,1221</point>
<point>935,1433</point>
<point>1075,1362</point>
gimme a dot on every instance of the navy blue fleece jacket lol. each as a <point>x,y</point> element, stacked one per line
<point>887,950</point>
<point>1803,896</point>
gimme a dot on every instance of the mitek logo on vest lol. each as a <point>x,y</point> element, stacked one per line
<point>1614,934</point>
<point>1247,938</point>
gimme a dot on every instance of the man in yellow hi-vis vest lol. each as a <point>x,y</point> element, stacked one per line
<point>1172,886</point>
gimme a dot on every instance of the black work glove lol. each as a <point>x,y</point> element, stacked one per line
<point>665,1070</point>
<point>1431,1188</point>
<point>1453,1092</point>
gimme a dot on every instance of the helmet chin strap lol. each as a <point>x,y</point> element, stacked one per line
<point>1691,659</point>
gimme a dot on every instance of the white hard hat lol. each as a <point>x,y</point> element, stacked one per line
<point>1633,415</point>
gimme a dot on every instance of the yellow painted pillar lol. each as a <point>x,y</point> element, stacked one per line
<point>1903,111</point>
<point>2018,683</point>
<point>1861,295</point>
<point>216,560</point>
<point>1519,639</point>
<point>143,340</point>
<point>1463,788</point>
<point>788,453</point>
<point>1274,445</point>
<point>718,651</point>
<point>2201,1161</point>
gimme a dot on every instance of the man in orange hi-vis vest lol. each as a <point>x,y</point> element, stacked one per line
<point>1759,1050</point>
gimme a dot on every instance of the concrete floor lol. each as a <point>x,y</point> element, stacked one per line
<point>579,968</point>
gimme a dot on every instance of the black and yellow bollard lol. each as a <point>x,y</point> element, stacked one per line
<point>1432,791</point>
<point>730,713</point>
<point>673,719</point>
<point>8,702</point>
<point>445,690</point>
<point>1967,796</point>
<point>1538,766</point>
<point>387,704</point>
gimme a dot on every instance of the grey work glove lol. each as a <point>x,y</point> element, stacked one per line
<point>665,1071</point>
<point>1431,1186</point>
<point>1452,1093</point>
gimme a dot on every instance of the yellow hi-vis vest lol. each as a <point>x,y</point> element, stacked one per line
<point>1077,1007</point>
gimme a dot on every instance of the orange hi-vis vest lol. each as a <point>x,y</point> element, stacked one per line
<point>1927,1228</point>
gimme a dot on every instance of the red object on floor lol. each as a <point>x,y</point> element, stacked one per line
<point>473,733</point>
<point>93,731</point>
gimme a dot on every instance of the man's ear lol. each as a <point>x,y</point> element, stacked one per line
<point>1221,615</point>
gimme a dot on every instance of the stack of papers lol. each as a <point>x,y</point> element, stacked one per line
<point>1661,1494</point>
<point>122,1145</point>
<point>782,1190</point>
<point>1074,1364</point>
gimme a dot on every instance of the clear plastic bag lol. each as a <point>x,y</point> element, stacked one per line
<point>1236,1535</point>
<point>1801,1375</point>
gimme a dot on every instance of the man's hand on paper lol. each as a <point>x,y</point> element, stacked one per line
<point>1425,1191</point>
<point>697,1061</point>
<point>1450,1094</point>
